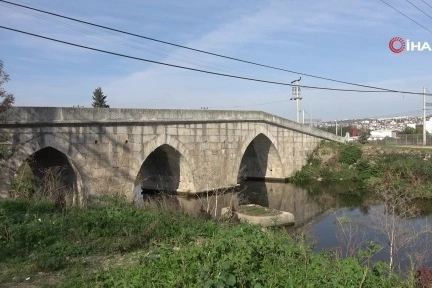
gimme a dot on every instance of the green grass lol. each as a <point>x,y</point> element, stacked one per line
<point>256,210</point>
<point>114,244</point>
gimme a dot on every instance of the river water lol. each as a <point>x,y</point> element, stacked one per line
<point>335,218</point>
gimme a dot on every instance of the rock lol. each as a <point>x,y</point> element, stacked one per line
<point>282,219</point>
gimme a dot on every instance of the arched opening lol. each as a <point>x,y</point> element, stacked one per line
<point>46,173</point>
<point>160,172</point>
<point>260,160</point>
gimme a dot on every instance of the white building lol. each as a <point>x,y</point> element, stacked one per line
<point>429,126</point>
<point>381,134</point>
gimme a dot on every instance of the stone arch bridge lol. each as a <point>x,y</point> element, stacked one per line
<point>106,151</point>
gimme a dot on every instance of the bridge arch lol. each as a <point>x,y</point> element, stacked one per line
<point>163,167</point>
<point>260,158</point>
<point>47,151</point>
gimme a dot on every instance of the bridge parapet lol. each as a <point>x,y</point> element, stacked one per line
<point>40,116</point>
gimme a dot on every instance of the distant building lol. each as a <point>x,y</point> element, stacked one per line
<point>429,126</point>
<point>411,125</point>
<point>381,134</point>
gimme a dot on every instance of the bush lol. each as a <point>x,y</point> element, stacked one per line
<point>350,154</point>
<point>34,227</point>
<point>366,169</point>
<point>50,263</point>
<point>23,188</point>
<point>402,174</point>
<point>309,172</point>
<point>240,256</point>
<point>306,174</point>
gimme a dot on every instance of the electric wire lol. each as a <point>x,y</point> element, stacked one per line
<point>190,60</point>
<point>249,105</point>
<point>418,8</point>
<point>284,101</point>
<point>82,30</point>
<point>413,113</point>
<point>426,3</point>
<point>203,51</point>
<point>394,115</point>
<point>205,71</point>
<point>400,12</point>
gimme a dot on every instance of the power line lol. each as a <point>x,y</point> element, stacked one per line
<point>160,51</point>
<point>190,60</point>
<point>418,8</point>
<point>205,71</point>
<point>198,50</point>
<point>386,116</point>
<point>400,12</point>
<point>249,105</point>
<point>401,114</point>
<point>426,3</point>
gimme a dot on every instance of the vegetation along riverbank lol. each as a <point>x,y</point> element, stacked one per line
<point>397,184</point>
<point>373,168</point>
<point>113,244</point>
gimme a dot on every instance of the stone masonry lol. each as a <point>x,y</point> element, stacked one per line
<point>113,150</point>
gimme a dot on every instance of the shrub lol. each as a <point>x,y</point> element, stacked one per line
<point>49,262</point>
<point>350,154</point>
<point>424,277</point>
<point>240,256</point>
<point>306,174</point>
<point>366,169</point>
<point>23,188</point>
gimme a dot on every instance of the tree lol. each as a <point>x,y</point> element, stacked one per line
<point>408,130</point>
<point>392,218</point>
<point>363,136</point>
<point>7,99</point>
<point>99,99</point>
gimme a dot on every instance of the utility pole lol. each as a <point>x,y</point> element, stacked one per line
<point>424,116</point>
<point>296,96</point>
<point>425,104</point>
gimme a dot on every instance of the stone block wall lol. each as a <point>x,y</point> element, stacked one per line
<point>107,147</point>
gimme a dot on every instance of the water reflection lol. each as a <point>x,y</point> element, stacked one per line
<point>280,196</point>
<point>284,197</point>
<point>304,202</point>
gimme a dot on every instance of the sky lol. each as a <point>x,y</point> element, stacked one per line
<point>344,40</point>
